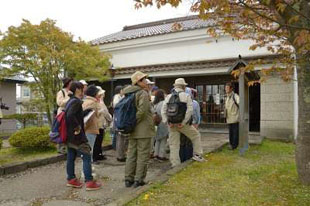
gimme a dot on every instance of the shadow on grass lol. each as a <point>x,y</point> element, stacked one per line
<point>17,155</point>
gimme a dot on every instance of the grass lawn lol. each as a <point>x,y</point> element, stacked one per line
<point>14,155</point>
<point>266,175</point>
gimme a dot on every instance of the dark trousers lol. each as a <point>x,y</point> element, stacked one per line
<point>97,153</point>
<point>234,135</point>
<point>186,148</point>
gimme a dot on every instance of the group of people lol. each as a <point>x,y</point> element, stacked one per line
<point>156,131</point>
<point>87,118</point>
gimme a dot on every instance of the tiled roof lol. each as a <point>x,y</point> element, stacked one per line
<point>187,66</point>
<point>16,78</point>
<point>154,28</point>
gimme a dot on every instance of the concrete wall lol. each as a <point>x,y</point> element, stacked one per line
<point>8,94</point>
<point>277,109</point>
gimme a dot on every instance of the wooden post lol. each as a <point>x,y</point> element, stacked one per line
<point>244,114</point>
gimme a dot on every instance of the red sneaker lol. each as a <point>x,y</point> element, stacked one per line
<point>92,185</point>
<point>74,183</point>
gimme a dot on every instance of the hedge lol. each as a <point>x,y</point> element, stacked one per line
<point>32,137</point>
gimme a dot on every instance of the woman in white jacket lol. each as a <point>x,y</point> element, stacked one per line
<point>104,120</point>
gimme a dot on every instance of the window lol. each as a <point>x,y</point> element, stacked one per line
<point>26,92</point>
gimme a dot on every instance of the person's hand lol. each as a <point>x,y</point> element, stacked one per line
<point>171,125</point>
<point>196,126</point>
<point>180,125</point>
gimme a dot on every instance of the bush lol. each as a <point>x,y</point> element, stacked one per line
<point>32,137</point>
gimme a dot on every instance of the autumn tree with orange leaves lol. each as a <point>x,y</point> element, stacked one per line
<point>281,26</point>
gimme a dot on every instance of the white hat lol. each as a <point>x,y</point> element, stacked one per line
<point>83,82</point>
<point>149,81</point>
<point>180,81</point>
<point>137,76</point>
<point>101,91</point>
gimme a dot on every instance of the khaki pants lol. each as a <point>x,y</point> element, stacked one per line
<point>121,146</point>
<point>174,142</point>
<point>137,159</point>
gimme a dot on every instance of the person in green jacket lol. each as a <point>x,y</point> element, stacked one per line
<point>140,139</point>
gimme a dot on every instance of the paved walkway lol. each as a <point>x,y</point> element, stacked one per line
<point>46,185</point>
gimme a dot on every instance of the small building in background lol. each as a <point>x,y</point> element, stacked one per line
<point>8,96</point>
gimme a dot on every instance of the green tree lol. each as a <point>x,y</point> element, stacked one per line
<point>281,26</point>
<point>22,118</point>
<point>46,54</point>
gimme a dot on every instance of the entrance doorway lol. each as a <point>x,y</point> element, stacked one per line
<point>211,99</point>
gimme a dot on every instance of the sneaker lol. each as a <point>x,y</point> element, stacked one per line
<point>74,183</point>
<point>198,158</point>
<point>162,158</point>
<point>121,159</point>
<point>128,183</point>
<point>92,185</point>
<point>138,184</point>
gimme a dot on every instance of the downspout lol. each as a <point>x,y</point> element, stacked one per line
<point>295,80</point>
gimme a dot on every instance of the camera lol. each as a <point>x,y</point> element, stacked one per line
<point>3,106</point>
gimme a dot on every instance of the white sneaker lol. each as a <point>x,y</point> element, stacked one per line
<point>198,158</point>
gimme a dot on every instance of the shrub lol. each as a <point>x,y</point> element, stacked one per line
<point>32,137</point>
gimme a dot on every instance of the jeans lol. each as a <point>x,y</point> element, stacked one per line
<point>91,141</point>
<point>114,139</point>
<point>160,146</point>
<point>234,135</point>
<point>87,170</point>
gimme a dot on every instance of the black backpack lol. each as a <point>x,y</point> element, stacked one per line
<point>176,109</point>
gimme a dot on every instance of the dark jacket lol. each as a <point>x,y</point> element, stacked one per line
<point>75,122</point>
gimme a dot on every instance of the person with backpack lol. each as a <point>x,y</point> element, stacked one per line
<point>62,98</point>
<point>91,102</point>
<point>162,129</point>
<point>118,95</point>
<point>232,115</point>
<point>77,143</point>
<point>177,112</point>
<point>141,125</point>
<point>186,146</point>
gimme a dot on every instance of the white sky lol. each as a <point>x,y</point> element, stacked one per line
<point>86,19</point>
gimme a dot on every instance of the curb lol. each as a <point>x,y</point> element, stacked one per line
<point>163,178</point>
<point>20,167</point>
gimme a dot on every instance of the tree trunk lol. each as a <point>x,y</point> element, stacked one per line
<point>303,139</point>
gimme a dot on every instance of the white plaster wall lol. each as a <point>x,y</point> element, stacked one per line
<point>184,46</point>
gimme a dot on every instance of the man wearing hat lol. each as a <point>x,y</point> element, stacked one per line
<point>184,127</point>
<point>140,139</point>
